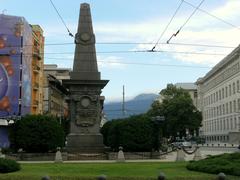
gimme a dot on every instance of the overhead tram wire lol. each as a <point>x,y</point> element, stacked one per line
<point>141,64</point>
<point>124,51</point>
<point>178,31</point>
<point>69,33</point>
<point>130,51</point>
<point>212,15</point>
<point>129,43</point>
<point>167,25</point>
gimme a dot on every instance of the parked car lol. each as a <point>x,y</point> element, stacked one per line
<point>182,143</point>
<point>187,144</point>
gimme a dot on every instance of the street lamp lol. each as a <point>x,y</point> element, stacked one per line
<point>157,120</point>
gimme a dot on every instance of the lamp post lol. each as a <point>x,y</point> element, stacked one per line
<point>157,120</point>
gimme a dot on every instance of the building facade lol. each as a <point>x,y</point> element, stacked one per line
<point>15,66</point>
<point>37,69</point>
<point>54,94</point>
<point>15,71</point>
<point>219,100</point>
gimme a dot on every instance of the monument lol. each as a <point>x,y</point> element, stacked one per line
<point>85,85</point>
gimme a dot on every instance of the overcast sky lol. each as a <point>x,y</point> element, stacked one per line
<point>120,21</point>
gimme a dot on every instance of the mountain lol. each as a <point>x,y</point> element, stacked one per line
<point>138,105</point>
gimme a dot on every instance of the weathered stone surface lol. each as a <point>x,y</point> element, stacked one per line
<point>180,155</point>
<point>120,156</point>
<point>58,156</point>
<point>85,87</point>
<point>197,156</point>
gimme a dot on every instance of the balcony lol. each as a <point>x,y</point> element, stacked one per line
<point>35,86</point>
<point>35,103</point>
<point>37,53</point>
<point>36,68</point>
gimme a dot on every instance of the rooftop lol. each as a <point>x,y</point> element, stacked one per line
<point>186,85</point>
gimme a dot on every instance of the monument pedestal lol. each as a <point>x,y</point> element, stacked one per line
<point>85,88</point>
<point>85,143</point>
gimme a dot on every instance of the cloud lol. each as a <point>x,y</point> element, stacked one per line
<point>110,62</point>
<point>230,10</point>
<point>201,29</point>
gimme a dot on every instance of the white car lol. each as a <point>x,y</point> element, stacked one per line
<point>182,143</point>
<point>187,144</point>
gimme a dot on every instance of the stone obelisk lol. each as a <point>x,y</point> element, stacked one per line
<point>85,85</point>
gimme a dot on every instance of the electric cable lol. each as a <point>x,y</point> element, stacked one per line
<point>127,43</point>
<point>142,64</point>
<point>121,52</point>
<point>178,31</point>
<point>212,15</point>
<point>167,25</point>
<point>69,33</point>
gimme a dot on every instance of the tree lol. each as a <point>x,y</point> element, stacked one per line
<point>135,133</point>
<point>179,112</point>
<point>37,133</point>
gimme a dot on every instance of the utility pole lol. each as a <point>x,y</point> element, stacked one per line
<point>123,102</point>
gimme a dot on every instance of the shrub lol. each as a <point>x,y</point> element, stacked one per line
<point>37,133</point>
<point>135,133</point>
<point>226,163</point>
<point>8,165</point>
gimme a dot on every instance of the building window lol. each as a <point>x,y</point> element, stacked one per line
<point>226,108</point>
<point>216,96</point>
<point>235,123</point>
<point>234,106</point>
<point>230,90</point>
<point>223,109</point>
<point>220,95</point>
<point>231,123</point>
<point>226,91</point>
<point>221,125</point>
<point>227,125</point>
<point>238,87</point>
<point>224,124</point>
<point>223,93</point>
<point>234,88</point>
<point>230,107</point>
<point>238,105</point>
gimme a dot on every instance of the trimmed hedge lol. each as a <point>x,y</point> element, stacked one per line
<point>226,163</point>
<point>8,165</point>
<point>37,134</point>
<point>134,134</point>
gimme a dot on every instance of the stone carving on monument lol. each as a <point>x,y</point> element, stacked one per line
<point>85,87</point>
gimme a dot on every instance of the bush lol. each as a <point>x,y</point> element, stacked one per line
<point>8,165</point>
<point>226,163</point>
<point>37,133</point>
<point>135,133</point>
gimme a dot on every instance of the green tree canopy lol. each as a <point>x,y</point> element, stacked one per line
<point>135,133</point>
<point>179,112</point>
<point>37,133</point>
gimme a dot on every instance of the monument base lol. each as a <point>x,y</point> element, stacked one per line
<point>85,143</point>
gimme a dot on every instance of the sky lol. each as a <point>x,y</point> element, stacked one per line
<point>133,26</point>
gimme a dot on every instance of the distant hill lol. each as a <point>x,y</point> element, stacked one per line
<point>138,105</point>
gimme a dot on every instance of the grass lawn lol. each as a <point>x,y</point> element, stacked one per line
<point>113,171</point>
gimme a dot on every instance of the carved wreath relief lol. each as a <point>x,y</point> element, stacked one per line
<point>86,110</point>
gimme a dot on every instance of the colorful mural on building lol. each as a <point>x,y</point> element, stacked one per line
<point>15,66</point>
